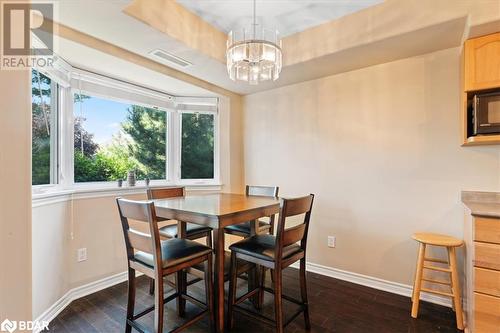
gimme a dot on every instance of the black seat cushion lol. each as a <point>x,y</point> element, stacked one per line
<point>244,227</point>
<point>174,251</point>
<point>170,231</point>
<point>243,265</point>
<point>263,247</point>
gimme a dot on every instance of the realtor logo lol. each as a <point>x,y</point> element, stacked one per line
<point>8,326</point>
<point>23,24</point>
<point>24,325</point>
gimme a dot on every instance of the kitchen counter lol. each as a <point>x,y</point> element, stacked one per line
<point>482,203</point>
<point>482,261</point>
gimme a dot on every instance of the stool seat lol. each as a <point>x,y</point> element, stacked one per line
<point>437,239</point>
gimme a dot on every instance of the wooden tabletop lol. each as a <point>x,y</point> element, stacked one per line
<point>216,210</point>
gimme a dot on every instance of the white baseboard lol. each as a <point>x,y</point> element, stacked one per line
<point>80,292</point>
<point>364,280</point>
<point>373,282</point>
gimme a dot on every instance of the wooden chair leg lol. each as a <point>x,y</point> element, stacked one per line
<point>158,316</point>
<point>131,299</point>
<point>455,285</point>
<point>262,282</point>
<point>151,286</point>
<point>232,290</point>
<point>278,305</point>
<point>418,281</point>
<point>179,283</point>
<point>209,292</point>
<point>303,292</point>
<point>253,282</point>
<point>209,239</point>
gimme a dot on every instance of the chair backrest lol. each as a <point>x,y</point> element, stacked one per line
<point>287,236</point>
<point>143,212</point>
<point>165,192</point>
<point>263,191</point>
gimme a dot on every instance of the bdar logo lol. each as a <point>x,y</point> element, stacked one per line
<point>8,326</point>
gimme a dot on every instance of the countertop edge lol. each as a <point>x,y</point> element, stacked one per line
<point>482,204</point>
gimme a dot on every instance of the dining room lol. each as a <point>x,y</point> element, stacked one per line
<point>250,166</point>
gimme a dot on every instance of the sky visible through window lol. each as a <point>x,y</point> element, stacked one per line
<point>102,117</point>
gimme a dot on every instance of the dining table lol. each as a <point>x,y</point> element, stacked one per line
<point>217,211</point>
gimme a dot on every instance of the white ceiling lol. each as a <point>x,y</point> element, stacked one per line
<point>112,25</point>
<point>286,16</point>
<point>87,58</point>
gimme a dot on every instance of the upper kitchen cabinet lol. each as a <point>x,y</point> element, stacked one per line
<point>482,63</point>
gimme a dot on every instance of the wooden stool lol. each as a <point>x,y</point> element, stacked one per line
<point>451,268</point>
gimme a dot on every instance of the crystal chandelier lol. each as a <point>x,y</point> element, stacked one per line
<point>252,55</point>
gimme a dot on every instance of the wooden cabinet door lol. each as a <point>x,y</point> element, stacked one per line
<point>482,62</point>
<point>486,314</point>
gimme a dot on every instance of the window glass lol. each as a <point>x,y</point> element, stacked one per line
<point>197,147</point>
<point>112,138</point>
<point>44,129</point>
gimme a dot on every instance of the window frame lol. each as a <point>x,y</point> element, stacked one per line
<point>178,151</point>
<point>166,181</point>
<point>55,130</point>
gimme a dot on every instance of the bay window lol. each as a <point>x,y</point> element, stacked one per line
<point>98,129</point>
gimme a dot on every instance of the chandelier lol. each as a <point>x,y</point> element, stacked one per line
<point>252,55</point>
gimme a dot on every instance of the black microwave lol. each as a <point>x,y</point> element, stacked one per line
<point>486,113</point>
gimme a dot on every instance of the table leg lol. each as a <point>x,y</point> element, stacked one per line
<point>219,279</point>
<point>181,277</point>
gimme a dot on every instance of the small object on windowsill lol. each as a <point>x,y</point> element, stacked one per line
<point>120,182</point>
<point>147,180</point>
<point>131,178</point>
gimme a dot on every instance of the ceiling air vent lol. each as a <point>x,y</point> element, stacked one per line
<point>169,59</point>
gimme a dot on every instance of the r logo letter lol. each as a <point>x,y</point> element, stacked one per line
<point>22,19</point>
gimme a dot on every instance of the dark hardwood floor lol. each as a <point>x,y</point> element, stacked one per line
<point>335,306</point>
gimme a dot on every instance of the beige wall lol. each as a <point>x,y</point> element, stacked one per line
<point>380,148</point>
<point>51,254</point>
<point>59,229</point>
<point>15,203</point>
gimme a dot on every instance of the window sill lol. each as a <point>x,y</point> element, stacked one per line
<point>53,194</point>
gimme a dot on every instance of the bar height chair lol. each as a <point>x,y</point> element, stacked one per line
<point>193,231</point>
<point>276,253</point>
<point>156,259</point>
<point>244,229</point>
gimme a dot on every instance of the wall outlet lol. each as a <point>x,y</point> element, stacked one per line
<point>331,241</point>
<point>81,254</point>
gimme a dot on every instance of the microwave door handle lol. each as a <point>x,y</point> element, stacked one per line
<point>476,119</point>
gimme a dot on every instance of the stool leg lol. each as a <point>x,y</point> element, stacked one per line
<point>455,284</point>
<point>451,280</point>
<point>418,281</point>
